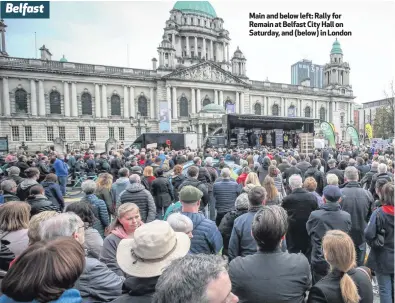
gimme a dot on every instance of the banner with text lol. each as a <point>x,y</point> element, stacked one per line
<point>279,137</point>
<point>164,117</point>
<point>352,132</point>
<point>328,133</point>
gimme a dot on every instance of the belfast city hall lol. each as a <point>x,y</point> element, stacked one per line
<point>194,79</point>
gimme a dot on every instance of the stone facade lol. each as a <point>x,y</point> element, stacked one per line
<point>101,102</point>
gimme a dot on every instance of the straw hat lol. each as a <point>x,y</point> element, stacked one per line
<point>153,247</point>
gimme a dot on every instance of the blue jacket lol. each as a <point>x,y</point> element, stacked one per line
<point>61,168</point>
<point>53,193</point>
<point>206,237</point>
<point>100,211</point>
<point>241,242</point>
<point>69,296</point>
<point>225,193</point>
<point>381,258</point>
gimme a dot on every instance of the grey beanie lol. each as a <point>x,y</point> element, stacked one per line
<point>242,202</point>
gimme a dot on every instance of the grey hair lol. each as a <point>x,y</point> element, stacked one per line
<point>351,173</point>
<point>381,159</point>
<point>382,168</point>
<point>62,225</point>
<point>134,178</point>
<point>180,223</point>
<point>375,164</point>
<point>332,179</point>
<point>225,173</point>
<point>186,279</point>
<point>295,181</point>
<point>209,160</point>
<point>268,227</point>
<point>8,185</point>
<point>88,186</point>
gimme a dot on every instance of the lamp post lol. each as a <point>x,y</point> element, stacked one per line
<point>146,124</point>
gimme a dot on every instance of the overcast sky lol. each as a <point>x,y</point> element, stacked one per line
<point>99,32</point>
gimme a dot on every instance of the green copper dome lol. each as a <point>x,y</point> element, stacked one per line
<point>63,59</point>
<point>213,108</point>
<point>202,7</point>
<point>336,49</point>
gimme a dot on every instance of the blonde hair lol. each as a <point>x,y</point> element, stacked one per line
<point>268,184</point>
<point>121,211</point>
<point>252,178</point>
<point>148,171</point>
<point>339,252</point>
<point>34,225</point>
<point>14,216</point>
<point>104,181</point>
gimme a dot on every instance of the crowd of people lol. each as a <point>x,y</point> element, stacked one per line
<point>198,226</point>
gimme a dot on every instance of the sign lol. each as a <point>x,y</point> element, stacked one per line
<point>279,137</point>
<point>24,9</point>
<point>230,108</point>
<point>152,145</point>
<point>352,132</point>
<point>378,143</point>
<point>164,117</point>
<point>3,144</point>
<point>328,133</point>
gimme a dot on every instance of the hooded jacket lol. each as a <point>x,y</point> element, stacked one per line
<point>69,296</point>
<point>318,177</point>
<point>118,187</point>
<point>24,187</point>
<point>136,193</point>
<point>206,237</point>
<point>140,290</point>
<point>53,193</point>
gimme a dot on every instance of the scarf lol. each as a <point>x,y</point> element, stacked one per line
<point>120,233</point>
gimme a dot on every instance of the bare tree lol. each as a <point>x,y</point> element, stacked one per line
<point>383,125</point>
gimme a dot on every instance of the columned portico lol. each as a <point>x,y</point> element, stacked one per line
<point>199,101</point>
<point>216,96</point>
<point>74,105</point>
<point>152,103</point>
<point>104,100</point>
<point>126,102</point>
<point>237,103</point>
<point>241,108</point>
<point>174,107</point>
<point>66,94</point>
<point>221,98</point>
<point>193,101</point>
<point>132,111</point>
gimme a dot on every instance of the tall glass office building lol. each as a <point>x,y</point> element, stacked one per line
<point>305,69</point>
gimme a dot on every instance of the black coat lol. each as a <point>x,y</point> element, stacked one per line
<point>327,290</point>
<point>328,217</point>
<point>176,181</point>
<point>339,173</point>
<point>303,166</point>
<point>40,203</point>
<point>140,290</point>
<point>359,204</point>
<point>299,205</point>
<point>226,226</point>
<point>293,170</point>
<point>162,192</point>
<point>270,277</point>
<point>318,176</point>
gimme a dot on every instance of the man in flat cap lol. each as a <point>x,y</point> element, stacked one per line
<point>328,217</point>
<point>206,236</point>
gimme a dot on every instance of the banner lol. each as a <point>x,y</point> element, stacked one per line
<point>327,129</point>
<point>279,137</point>
<point>369,131</point>
<point>164,117</point>
<point>230,108</point>
<point>352,132</point>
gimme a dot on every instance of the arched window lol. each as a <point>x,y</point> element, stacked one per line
<point>292,111</point>
<point>229,107</point>
<point>115,105</point>
<point>307,112</point>
<point>54,103</point>
<point>322,114</point>
<point>258,109</point>
<point>86,103</point>
<point>206,101</point>
<point>142,106</point>
<point>183,107</point>
<point>21,101</point>
<point>275,110</point>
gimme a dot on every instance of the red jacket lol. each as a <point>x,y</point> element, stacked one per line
<point>242,178</point>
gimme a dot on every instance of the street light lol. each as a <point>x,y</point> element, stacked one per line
<point>138,128</point>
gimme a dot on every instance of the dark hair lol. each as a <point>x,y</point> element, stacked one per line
<point>268,227</point>
<point>35,190</point>
<point>193,171</point>
<point>83,210</point>
<point>380,183</point>
<point>316,163</point>
<point>159,172</point>
<point>257,195</point>
<point>302,156</point>
<point>31,172</point>
<point>47,268</point>
<point>51,178</point>
<point>360,161</point>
